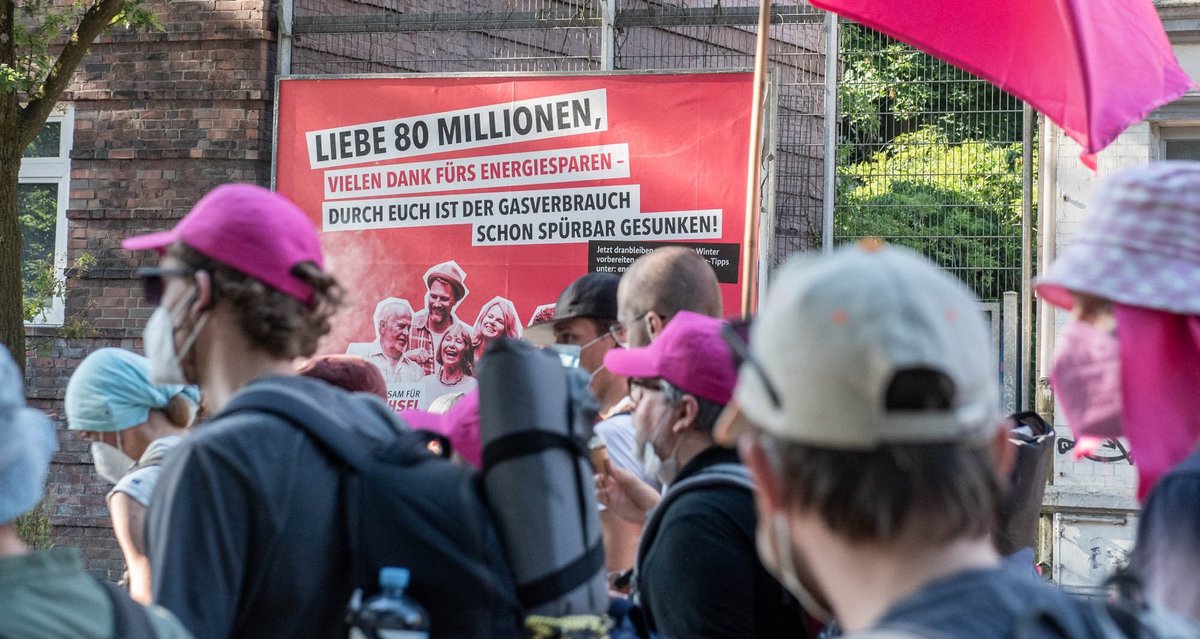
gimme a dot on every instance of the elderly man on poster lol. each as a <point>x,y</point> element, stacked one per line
<point>393,324</point>
<point>444,292</point>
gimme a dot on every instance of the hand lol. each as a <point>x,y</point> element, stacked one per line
<point>624,494</point>
<point>418,356</point>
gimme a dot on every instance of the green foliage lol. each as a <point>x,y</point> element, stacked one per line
<point>957,203</point>
<point>39,23</point>
<point>34,529</point>
<point>889,88</point>
<point>929,157</point>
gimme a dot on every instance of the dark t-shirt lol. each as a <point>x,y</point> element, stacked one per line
<point>701,576</point>
<point>243,532</point>
<point>984,604</point>
<point>1167,553</point>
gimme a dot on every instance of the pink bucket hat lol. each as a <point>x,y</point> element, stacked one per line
<point>250,229</point>
<point>690,354</point>
<point>1140,245</point>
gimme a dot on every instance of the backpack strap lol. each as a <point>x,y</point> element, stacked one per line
<point>725,474</point>
<point>130,619</point>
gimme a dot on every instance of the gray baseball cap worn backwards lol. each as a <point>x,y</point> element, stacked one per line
<point>833,333</point>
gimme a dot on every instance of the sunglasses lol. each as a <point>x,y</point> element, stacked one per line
<point>154,281</point>
<point>737,335</point>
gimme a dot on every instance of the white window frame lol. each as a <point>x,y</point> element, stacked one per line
<point>57,171</point>
<point>1177,130</point>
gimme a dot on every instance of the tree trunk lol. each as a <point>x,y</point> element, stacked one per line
<point>12,317</point>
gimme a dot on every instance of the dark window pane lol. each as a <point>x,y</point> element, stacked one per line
<point>37,207</point>
<point>46,144</point>
<point>1183,149</point>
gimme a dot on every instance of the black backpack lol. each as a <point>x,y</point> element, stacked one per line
<point>407,507</point>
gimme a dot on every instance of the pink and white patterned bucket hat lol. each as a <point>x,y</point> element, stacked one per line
<point>1140,245</point>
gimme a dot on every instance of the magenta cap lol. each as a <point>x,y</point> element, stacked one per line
<point>250,229</point>
<point>689,353</point>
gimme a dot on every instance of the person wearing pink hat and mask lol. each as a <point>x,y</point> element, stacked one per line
<point>246,532</point>
<point>697,573</point>
<point>1128,362</point>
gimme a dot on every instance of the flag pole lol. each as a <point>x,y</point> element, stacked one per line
<point>753,194</point>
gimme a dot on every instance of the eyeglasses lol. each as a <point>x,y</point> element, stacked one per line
<point>154,281</point>
<point>737,335</point>
<point>620,330</point>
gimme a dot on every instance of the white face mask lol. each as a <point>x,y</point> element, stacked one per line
<point>111,462</point>
<point>158,338</point>
<point>664,470</point>
<point>774,544</point>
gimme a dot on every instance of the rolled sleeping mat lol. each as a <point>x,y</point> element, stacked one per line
<point>535,420</point>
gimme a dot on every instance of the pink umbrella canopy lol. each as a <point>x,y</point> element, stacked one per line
<point>1093,67</point>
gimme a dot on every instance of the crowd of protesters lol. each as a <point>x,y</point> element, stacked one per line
<point>835,467</point>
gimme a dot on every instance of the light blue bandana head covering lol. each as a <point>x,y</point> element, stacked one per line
<point>26,442</point>
<point>111,391</point>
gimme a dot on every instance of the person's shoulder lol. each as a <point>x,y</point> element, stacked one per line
<point>419,319</point>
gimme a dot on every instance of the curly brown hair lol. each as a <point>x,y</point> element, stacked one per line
<point>272,320</point>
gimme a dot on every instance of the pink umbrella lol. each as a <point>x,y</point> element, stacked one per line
<point>1092,66</point>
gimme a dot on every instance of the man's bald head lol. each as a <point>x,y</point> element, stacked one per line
<point>661,283</point>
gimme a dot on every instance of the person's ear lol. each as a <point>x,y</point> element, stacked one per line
<point>686,411</point>
<point>204,296</point>
<point>769,488</point>
<point>654,324</point>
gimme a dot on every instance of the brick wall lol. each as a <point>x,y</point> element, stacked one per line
<point>160,118</point>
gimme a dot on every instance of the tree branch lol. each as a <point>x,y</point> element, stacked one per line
<point>94,22</point>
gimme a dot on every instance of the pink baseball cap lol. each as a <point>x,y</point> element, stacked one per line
<point>689,354</point>
<point>250,229</point>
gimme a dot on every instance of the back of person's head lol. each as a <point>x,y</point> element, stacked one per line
<point>347,372</point>
<point>111,391</point>
<point>27,442</point>
<point>668,280</point>
<point>264,259</point>
<point>872,388</point>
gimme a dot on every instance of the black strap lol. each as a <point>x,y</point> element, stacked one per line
<point>528,442</point>
<point>545,589</point>
<point>130,619</point>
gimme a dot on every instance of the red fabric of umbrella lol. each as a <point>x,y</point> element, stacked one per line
<point>1092,66</point>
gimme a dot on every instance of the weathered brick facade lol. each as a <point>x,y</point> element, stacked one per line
<point>160,118</point>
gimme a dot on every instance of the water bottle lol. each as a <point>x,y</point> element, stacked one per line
<point>388,615</point>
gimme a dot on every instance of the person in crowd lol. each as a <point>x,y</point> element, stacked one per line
<point>698,574</point>
<point>455,365</point>
<point>867,409</point>
<point>658,285</point>
<point>497,319</point>
<point>393,326</point>
<point>47,593</point>
<point>111,402</point>
<point>246,523</point>
<point>347,372</point>
<point>585,312</point>
<point>445,290</point>
<point>1128,362</point>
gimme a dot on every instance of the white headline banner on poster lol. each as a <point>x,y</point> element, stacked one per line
<point>446,210</point>
<point>490,125</point>
<point>586,163</point>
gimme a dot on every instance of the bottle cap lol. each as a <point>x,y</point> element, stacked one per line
<point>391,577</point>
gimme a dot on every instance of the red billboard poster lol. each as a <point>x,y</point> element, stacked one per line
<point>456,209</point>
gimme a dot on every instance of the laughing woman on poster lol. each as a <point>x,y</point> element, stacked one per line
<point>456,365</point>
<point>497,319</point>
